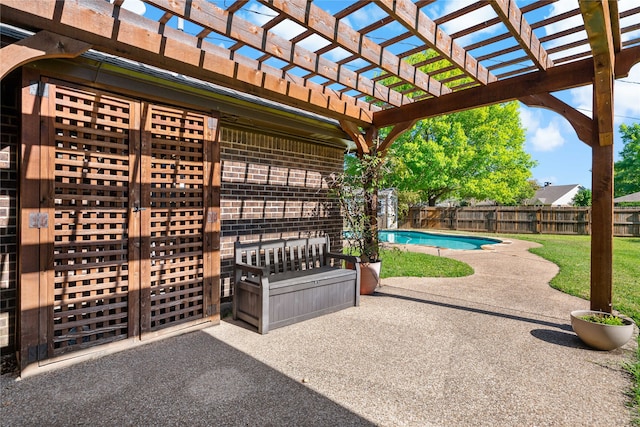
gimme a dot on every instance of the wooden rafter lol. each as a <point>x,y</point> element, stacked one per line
<point>512,17</point>
<point>41,45</point>
<point>140,39</point>
<point>419,24</point>
<point>210,16</point>
<point>334,89</point>
<point>615,26</point>
<point>556,78</point>
<point>316,19</point>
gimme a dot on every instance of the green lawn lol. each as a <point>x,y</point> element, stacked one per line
<point>398,263</point>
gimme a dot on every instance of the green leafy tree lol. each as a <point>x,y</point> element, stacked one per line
<point>474,154</point>
<point>627,169</point>
<point>582,197</point>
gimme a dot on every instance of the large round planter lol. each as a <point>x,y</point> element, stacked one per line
<point>369,277</point>
<point>600,336</point>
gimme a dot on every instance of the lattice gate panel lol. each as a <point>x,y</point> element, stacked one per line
<point>91,181</point>
<point>177,216</point>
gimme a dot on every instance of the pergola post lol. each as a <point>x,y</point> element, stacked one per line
<point>602,227</point>
<point>600,31</point>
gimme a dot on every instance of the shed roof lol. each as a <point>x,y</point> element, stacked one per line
<point>633,197</point>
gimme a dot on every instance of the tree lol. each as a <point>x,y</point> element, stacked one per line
<point>627,170</point>
<point>474,154</point>
<point>582,197</point>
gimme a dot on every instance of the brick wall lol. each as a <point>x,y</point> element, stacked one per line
<point>9,128</point>
<point>274,187</point>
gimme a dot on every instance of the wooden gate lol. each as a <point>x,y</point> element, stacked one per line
<point>131,229</point>
<point>91,135</point>
<point>180,158</point>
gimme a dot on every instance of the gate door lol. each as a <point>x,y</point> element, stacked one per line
<point>92,134</point>
<point>180,216</point>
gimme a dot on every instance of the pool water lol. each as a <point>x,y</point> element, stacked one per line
<point>430,239</point>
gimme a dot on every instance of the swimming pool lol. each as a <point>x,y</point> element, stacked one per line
<point>430,239</point>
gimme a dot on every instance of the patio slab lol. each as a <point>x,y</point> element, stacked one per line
<point>495,348</point>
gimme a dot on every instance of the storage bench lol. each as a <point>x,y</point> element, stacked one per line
<point>281,282</point>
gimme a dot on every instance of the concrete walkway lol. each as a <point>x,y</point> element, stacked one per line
<point>495,348</point>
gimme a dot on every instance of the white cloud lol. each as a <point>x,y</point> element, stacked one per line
<point>288,29</point>
<point>527,117</point>
<point>542,134</point>
<point>135,6</point>
<point>582,99</point>
<point>547,138</point>
<point>367,15</point>
<point>258,14</point>
<point>626,97</point>
<point>468,20</point>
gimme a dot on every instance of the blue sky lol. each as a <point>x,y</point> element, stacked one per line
<point>562,158</point>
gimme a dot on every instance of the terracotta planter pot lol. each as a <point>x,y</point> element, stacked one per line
<point>600,336</point>
<point>369,277</point>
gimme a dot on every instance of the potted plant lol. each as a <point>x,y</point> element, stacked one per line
<point>600,330</point>
<point>356,189</point>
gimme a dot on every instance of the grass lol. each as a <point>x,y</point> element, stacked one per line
<point>572,255</point>
<point>398,263</point>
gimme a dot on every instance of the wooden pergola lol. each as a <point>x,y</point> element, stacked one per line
<point>343,77</point>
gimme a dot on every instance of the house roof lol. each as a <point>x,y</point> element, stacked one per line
<point>633,197</point>
<point>549,194</point>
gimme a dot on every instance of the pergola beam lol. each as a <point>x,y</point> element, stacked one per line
<point>512,17</point>
<point>419,24</point>
<point>556,78</point>
<point>41,45</point>
<point>597,22</point>
<point>353,130</point>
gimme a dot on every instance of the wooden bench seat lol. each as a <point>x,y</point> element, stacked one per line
<point>281,282</point>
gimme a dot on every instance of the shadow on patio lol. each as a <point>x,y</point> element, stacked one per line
<point>193,379</point>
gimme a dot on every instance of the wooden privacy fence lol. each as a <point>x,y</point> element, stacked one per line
<point>521,219</point>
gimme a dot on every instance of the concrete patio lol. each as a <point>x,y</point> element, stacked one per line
<point>495,348</point>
